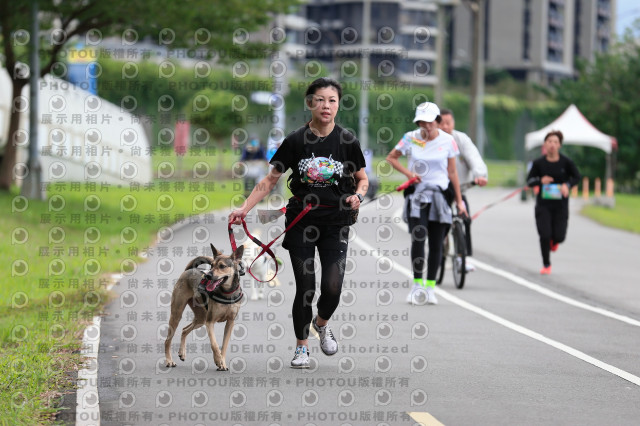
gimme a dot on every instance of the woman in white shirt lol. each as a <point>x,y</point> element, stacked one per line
<point>432,160</point>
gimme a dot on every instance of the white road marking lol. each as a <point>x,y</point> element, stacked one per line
<point>87,398</point>
<point>511,325</point>
<point>552,294</point>
<point>88,407</point>
<point>539,289</point>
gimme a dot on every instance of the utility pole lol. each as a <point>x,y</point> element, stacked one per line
<point>440,59</point>
<point>363,131</point>
<point>32,186</point>
<point>476,118</point>
<point>442,41</point>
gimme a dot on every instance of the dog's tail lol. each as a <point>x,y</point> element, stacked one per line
<point>200,260</point>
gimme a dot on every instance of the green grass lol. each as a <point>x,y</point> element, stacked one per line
<point>70,252</point>
<point>501,174</point>
<point>57,260</point>
<point>505,173</point>
<point>623,216</point>
<point>204,160</point>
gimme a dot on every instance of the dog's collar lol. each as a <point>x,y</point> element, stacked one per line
<point>218,295</point>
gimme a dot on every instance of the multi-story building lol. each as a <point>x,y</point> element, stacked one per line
<point>400,43</point>
<point>535,40</point>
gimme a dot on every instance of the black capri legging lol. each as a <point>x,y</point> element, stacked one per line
<point>420,228</point>
<point>332,243</point>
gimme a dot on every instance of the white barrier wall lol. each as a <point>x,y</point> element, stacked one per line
<point>81,136</point>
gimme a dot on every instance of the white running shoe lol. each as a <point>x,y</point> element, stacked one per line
<point>468,266</point>
<point>301,358</point>
<point>431,296</point>
<point>413,292</point>
<point>328,343</point>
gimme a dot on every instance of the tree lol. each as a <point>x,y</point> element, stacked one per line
<point>222,27</point>
<point>214,111</point>
<point>603,91</point>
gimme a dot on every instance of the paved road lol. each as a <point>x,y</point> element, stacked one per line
<point>512,347</point>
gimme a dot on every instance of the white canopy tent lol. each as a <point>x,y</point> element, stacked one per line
<point>576,130</point>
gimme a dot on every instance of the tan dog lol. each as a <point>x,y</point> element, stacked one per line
<point>218,299</point>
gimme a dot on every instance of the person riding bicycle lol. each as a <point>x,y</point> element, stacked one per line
<point>471,169</point>
<point>431,153</point>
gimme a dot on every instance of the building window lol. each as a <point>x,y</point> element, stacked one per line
<point>410,42</point>
<point>555,30</point>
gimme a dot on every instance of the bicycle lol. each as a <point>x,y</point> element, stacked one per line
<point>455,247</point>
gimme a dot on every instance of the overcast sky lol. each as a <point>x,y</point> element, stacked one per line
<point>628,11</point>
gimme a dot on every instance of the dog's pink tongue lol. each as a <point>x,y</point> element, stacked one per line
<point>212,285</point>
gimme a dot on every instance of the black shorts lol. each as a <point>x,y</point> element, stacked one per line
<point>323,236</point>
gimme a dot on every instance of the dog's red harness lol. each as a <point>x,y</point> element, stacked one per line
<point>266,248</point>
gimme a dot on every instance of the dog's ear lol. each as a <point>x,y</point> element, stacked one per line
<point>238,253</point>
<point>216,253</point>
<point>241,268</point>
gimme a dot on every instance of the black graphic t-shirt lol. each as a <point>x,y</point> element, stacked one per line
<point>321,172</point>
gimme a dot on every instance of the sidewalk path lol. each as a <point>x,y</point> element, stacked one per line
<point>494,353</point>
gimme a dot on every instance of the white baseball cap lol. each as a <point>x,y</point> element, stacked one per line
<point>426,111</point>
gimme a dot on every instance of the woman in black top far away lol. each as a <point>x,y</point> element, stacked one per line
<point>328,175</point>
<point>554,174</point>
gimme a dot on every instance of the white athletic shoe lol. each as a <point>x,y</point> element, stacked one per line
<point>468,266</point>
<point>413,292</point>
<point>301,358</point>
<point>328,343</point>
<point>431,296</point>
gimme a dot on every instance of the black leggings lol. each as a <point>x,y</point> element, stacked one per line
<point>332,264</point>
<point>551,221</point>
<point>419,229</point>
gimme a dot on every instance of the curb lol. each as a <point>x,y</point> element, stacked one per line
<point>87,397</point>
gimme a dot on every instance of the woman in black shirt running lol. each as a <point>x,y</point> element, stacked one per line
<point>554,174</point>
<point>327,173</point>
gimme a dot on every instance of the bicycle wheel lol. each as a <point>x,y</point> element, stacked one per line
<point>443,260</point>
<point>460,254</point>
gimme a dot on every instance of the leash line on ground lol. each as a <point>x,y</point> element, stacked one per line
<point>505,198</point>
<point>513,326</point>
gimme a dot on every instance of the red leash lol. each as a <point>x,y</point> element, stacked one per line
<point>505,198</point>
<point>265,248</point>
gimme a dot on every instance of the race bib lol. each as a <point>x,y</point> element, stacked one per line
<point>552,191</point>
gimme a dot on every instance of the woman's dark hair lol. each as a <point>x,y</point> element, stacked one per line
<point>557,133</point>
<point>321,83</point>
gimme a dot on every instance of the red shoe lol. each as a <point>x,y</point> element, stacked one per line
<point>546,270</point>
<point>553,246</point>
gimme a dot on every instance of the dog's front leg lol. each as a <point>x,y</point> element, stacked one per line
<point>217,356</point>
<point>228,329</point>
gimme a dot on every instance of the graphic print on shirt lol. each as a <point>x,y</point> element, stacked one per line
<point>319,172</point>
<point>409,139</point>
